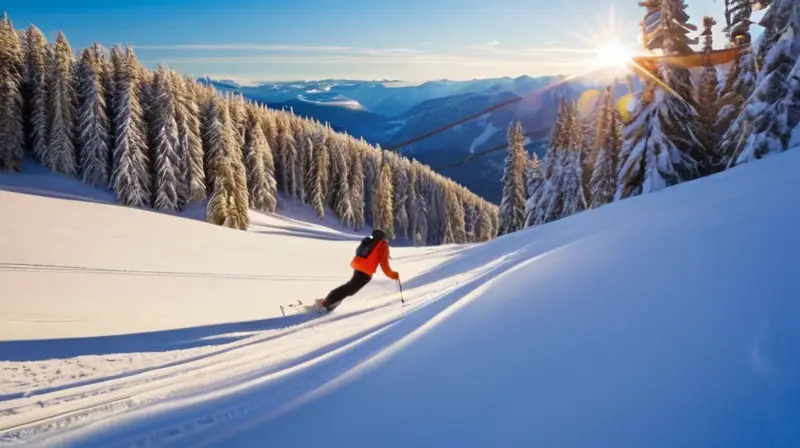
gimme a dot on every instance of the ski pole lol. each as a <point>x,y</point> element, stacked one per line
<point>400,285</point>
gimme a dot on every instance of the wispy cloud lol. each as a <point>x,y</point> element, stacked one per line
<point>488,46</point>
<point>418,59</point>
<point>540,51</point>
<point>489,57</point>
<point>276,48</point>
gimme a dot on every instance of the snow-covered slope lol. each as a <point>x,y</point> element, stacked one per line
<point>665,320</point>
<point>100,300</point>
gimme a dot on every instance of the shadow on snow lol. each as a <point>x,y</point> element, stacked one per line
<point>154,341</point>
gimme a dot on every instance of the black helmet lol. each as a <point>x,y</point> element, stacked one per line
<point>378,234</point>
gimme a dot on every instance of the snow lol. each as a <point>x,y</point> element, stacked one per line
<point>795,137</point>
<point>668,319</point>
<point>394,126</point>
<point>337,101</point>
<point>488,131</point>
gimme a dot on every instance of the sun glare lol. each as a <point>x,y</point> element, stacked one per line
<point>613,54</point>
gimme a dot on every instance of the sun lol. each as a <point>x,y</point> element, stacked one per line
<point>613,54</point>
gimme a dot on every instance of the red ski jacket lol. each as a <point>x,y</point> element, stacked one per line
<point>379,255</point>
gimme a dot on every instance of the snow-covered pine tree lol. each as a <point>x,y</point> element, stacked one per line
<point>238,126</point>
<point>455,213</point>
<point>93,123</point>
<point>165,144</point>
<point>223,206</point>
<point>317,177</point>
<point>440,215</point>
<point>708,102</point>
<point>550,204</point>
<point>373,180</point>
<point>483,227</point>
<point>261,184</point>
<point>551,165</point>
<point>12,130</point>
<point>180,158</point>
<point>470,220</point>
<point>737,18</point>
<point>400,187</point>
<point>384,218</point>
<point>22,39</point>
<point>512,205</point>
<point>340,172</point>
<point>106,74</point>
<point>288,152</point>
<point>432,198</point>
<point>357,186</point>
<point>411,197</point>
<point>115,63</point>
<point>37,67</point>
<point>146,97</point>
<point>604,173</point>
<point>296,124</point>
<point>464,197</point>
<point>558,141</point>
<point>187,115</point>
<point>662,140</point>
<point>780,18</point>
<point>495,217</point>
<point>305,156</point>
<point>445,215</point>
<point>270,126</point>
<point>421,227</point>
<point>769,127</point>
<point>331,141</point>
<point>60,155</point>
<point>320,140</point>
<point>421,204</point>
<point>269,171</point>
<point>534,184</point>
<point>589,144</point>
<point>571,183</point>
<point>242,196</point>
<point>793,105</point>
<point>238,114</point>
<point>645,151</point>
<point>130,175</point>
<point>479,205</point>
<point>209,117</point>
<point>739,85</point>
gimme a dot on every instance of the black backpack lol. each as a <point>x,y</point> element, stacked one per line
<point>366,247</point>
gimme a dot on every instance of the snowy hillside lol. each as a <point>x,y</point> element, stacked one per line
<point>662,320</point>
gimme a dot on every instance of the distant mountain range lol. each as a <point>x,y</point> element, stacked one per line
<point>391,112</point>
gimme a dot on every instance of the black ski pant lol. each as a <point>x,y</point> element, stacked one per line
<point>358,281</point>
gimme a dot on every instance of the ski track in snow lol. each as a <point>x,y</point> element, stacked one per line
<point>82,368</point>
<point>255,359</point>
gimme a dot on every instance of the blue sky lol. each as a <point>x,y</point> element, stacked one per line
<point>412,40</point>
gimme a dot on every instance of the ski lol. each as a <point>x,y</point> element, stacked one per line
<point>301,308</point>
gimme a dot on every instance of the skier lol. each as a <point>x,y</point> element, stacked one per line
<point>372,251</point>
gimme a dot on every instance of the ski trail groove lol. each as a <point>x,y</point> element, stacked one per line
<point>253,340</point>
<point>167,372</point>
<point>266,398</point>
<point>32,267</point>
<point>139,391</point>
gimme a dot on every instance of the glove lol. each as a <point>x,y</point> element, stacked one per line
<point>395,276</point>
